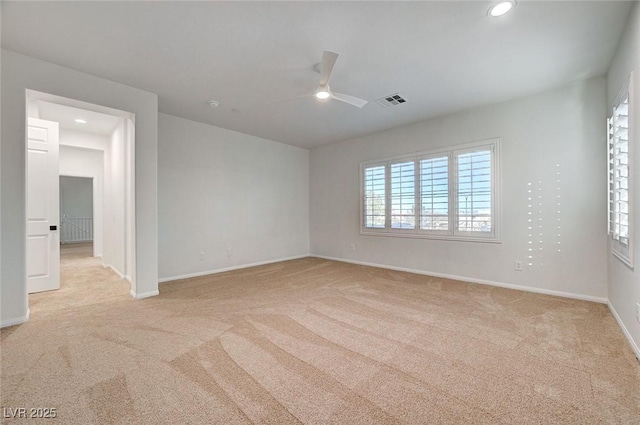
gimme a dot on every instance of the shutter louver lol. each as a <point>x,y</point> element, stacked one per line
<point>610,178</point>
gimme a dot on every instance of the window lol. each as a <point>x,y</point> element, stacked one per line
<point>445,194</point>
<point>374,197</point>
<point>403,195</point>
<point>434,194</point>
<point>619,153</point>
<point>474,191</point>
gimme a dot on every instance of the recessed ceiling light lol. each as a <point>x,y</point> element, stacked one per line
<point>80,121</point>
<point>500,8</point>
<point>213,103</point>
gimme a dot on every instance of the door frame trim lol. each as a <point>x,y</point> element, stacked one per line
<point>130,164</point>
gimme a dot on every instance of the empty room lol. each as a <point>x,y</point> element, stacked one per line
<point>361,212</point>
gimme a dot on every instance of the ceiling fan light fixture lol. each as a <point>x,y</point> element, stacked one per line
<point>323,93</point>
<point>500,8</point>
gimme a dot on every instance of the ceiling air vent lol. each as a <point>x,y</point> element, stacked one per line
<point>391,100</point>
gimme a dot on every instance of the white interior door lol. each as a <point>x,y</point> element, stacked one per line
<point>43,214</point>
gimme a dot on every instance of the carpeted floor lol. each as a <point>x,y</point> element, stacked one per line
<point>317,342</point>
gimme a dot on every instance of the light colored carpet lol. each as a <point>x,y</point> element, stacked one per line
<point>316,342</point>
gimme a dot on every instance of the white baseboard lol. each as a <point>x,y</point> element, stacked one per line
<point>227,269</point>
<point>625,331</point>
<point>113,269</point>
<point>16,320</point>
<point>473,280</point>
<point>143,294</point>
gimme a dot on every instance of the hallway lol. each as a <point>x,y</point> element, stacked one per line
<point>84,283</point>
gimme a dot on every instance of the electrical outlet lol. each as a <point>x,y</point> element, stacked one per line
<point>229,252</point>
<point>638,312</point>
<point>517,265</point>
<point>201,255</point>
<point>353,247</point>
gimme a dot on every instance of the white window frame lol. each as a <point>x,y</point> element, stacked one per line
<point>624,253</point>
<point>452,233</point>
<point>480,147</point>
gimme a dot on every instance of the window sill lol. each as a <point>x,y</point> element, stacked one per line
<point>625,260</point>
<point>410,234</point>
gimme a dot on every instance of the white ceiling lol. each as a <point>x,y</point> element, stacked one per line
<point>65,116</point>
<point>441,56</point>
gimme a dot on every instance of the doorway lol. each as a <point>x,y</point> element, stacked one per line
<point>76,210</point>
<point>95,177</point>
<point>76,219</point>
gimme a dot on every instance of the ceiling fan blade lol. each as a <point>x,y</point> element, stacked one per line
<point>351,100</point>
<point>328,61</point>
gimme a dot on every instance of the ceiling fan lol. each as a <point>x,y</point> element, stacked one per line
<point>324,91</point>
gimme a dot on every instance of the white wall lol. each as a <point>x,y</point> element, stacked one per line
<point>20,73</point>
<point>33,109</point>
<point>624,283</point>
<point>83,139</point>
<point>219,190</point>
<point>556,131</point>
<point>115,172</point>
<point>81,162</point>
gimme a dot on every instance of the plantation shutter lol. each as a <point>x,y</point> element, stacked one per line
<point>403,195</point>
<point>620,129</point>
<point>374,197</point>
<point>442,194</point>
<point>434,193</point>
<point>619,172</point>
<point>474,179</point>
